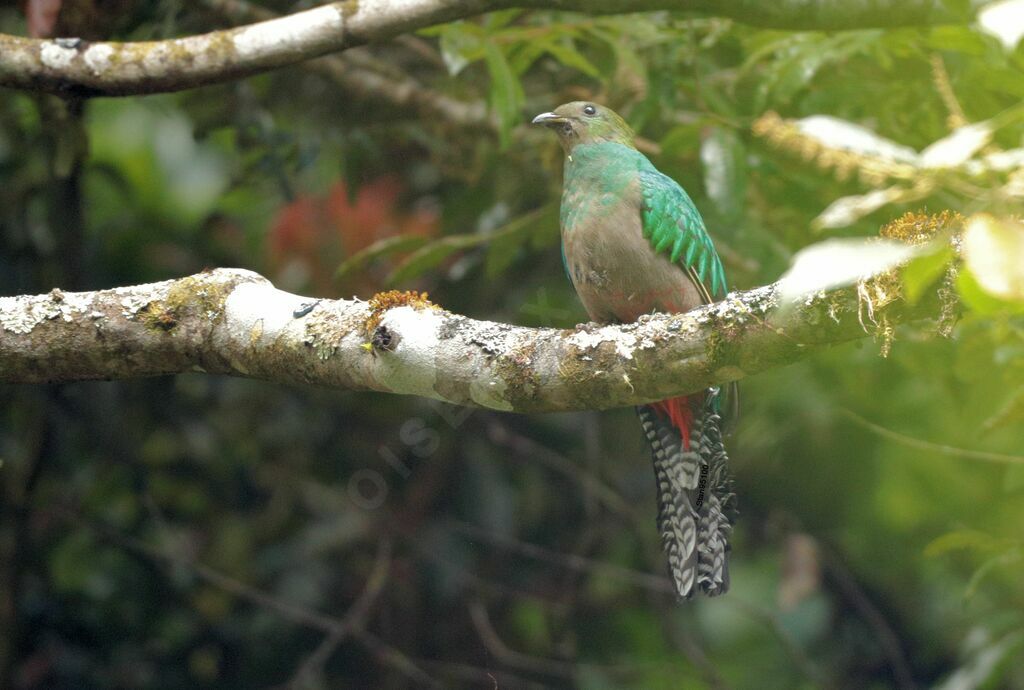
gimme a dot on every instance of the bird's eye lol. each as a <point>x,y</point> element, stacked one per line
<point>589,110</point>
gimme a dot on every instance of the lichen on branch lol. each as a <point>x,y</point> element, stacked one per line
<point>73,66</point>
<point>234,322</point>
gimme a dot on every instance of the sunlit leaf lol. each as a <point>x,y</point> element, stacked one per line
<point>994,252</point>
<point>1004,20</point>
<point>848,210</point>
<point>985,663</point>
<point>999,161</point>
<point>958,147</point>
<point>838,262</point>
<point>980,300</point>
<point>847,136</point>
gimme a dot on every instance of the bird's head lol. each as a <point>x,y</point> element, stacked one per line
<point>583,122</point>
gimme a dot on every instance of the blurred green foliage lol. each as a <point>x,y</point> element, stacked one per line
<point>198,532</point>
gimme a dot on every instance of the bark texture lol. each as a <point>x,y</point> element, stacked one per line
<point>234,322</point>
<point>73,66</point>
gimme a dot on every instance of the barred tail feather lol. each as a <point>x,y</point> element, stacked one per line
<point>696,506</point>
<point>676,474</point>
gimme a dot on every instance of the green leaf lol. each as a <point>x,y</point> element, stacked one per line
<point>979,300</point>
<point>505,239</point>
<point>1009,558</point>
<point>567,54</point>
<point>994,253</point>
<point>506,96</point>
<point>1010,412</point>
<point>501,253</point>
<point>531,622</point>
<point>959,39</point>
<point>682,139</point>
<point>523,55</point>
<point>962,539</point>
<point>72,561</point>
<point>1003,20</point>
<point>920,273</point>
<point>725,172</point>
<point>378,250</point>
<point>1013,480</point>
<point>545,232</point>
<point>795,59</point>
<point>461,44</point>
<point>501,18</point>
<point>538,228</point>
<point>629,67</point>
<point>429,256</point>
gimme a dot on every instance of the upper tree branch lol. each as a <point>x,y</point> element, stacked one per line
<point>230,321</point>
<point>118,69</point>
<point>361,74</point>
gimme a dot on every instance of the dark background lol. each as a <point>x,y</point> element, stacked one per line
<point>195,531</point>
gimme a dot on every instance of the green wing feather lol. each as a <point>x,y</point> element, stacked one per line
<point>670,218</point>
<point>673,224</point>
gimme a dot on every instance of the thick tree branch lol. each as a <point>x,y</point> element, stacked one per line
<point>67,65</point>
<point>361,74</point>
<point>231,321</point>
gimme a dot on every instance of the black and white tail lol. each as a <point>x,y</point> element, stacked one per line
<point>696,504</point>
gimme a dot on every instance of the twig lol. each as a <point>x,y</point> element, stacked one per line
<point>355,619</point>
<point>580,564</point>
<point>470,578</point>
<point>350,625</point>
<point>886,637</point>
<point>496,646</point>
<point>568,670</point>
<point>17,488</point>
<point>686,642</point>
<point>647,581</point>
<point>500,434</point>
<point>940,76</point>
<point>919,444</point>
<point>792,648</point>
<point>359,71</point>
<point>488,679</point>
<point>393,656</point>
<point>76,67</point>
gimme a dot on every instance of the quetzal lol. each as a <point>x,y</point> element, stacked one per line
<point>634,243</point>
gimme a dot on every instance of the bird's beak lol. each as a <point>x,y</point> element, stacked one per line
<point>548,120</point>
